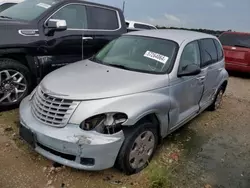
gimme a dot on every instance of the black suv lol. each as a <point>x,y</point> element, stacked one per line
<point>39,36</point>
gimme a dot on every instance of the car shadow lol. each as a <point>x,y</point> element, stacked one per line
<point>239,74</point>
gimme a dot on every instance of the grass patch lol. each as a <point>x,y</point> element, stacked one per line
<point>159,176</point>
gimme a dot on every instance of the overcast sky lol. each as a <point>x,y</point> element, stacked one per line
<point>210,14</point>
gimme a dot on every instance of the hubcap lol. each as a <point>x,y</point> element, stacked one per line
<point>12,86</point>
<point>142,149</point>
<point>218,99</point>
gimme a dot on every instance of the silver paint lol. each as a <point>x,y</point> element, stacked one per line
<point>103,89</point>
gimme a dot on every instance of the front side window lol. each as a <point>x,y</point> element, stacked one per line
<point>190,55</point>
<point>74,15</point>
<point>102,19</point>
<point>6,6</point>
<point>234,39</point>
<point>137,53</point>
<point>208,51</point>
<point>28,10</point>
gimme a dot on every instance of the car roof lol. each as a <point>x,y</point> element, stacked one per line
<point>176,35</point>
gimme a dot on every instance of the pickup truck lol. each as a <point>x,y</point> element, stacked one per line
<point>39,36</point>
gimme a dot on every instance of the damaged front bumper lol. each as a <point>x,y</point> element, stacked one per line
<point>70,145</point>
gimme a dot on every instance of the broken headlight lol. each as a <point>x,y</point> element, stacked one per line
<point>108,123</point>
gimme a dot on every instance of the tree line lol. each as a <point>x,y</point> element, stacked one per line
<point>208,31</point>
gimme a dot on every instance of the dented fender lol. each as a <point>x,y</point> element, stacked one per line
<point>135,106</point>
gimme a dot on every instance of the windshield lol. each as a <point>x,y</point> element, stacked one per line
<point>233,39</point>
<point>28,10</point>
<point>143,54</point>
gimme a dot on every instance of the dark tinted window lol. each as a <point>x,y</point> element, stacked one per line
<point>101,18</point>
<point>5,6</point>
<point>233,39</point>
<point>75,16</point>
<point>142,26</point>
<point>29,9</point>
<point>219,50</point>
<point>208,51</point>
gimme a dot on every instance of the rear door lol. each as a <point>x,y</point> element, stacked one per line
<point>211,65</point>
<point>105,25</point>
<point>237,48</point>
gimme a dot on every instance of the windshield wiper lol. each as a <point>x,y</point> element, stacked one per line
<point>241,45</point>
<point>119,66</point>
<point>6,17</point>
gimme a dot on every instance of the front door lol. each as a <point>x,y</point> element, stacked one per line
<point>186,90</point>
<point>66,47</point>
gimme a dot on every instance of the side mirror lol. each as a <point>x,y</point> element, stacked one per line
<point>190,70</point>
<point>53,25</point>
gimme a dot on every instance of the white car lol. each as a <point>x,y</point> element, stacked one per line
<point>4,4</point>
<point>133,25</point>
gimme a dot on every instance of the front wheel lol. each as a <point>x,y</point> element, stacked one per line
<point>14,83</point>
<point>138,148</point>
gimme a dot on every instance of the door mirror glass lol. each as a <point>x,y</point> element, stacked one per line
<point>57,25</point>
<point>190,70</point>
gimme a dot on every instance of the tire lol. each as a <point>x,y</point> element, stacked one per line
<point>23,87</point>
<point>123,161</point>
<point>219,95</point>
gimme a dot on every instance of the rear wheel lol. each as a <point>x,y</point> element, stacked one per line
<point>217,100</point>
<point>15,83</point>
<point>138,148</point>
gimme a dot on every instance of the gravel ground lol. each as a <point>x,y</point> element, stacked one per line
<point>211,151</point>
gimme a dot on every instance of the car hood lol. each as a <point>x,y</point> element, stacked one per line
<point>87,80</point>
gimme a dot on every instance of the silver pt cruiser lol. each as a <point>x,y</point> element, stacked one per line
<point>115,107</point>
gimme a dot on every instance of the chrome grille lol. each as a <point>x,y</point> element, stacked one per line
<point>51,110</point>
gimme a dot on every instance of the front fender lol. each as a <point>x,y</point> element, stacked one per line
<point>136,106</point>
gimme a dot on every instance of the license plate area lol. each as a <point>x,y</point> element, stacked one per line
<point>27,135</point>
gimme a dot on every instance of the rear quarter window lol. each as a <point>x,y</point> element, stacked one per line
<point>142,26</point>
<point>102,18</point>
<point>219,50</point>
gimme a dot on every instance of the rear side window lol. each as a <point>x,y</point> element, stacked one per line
<point>75,16</point>
<point>142,26</point>
<point>219,50</point>
<point>5,6</point>
<point>234,39</point>
<point>208,51</point>
<point>102,19</point>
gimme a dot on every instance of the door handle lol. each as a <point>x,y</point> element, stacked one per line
<point>87,38</point>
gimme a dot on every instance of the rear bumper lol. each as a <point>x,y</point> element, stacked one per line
<point>236,67</point>
<point>70,145</point>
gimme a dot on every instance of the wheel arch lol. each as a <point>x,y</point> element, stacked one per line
<point>155,120</point>
<point>26,60</point>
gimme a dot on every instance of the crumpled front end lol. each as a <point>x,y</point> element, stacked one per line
<point>68,144</point>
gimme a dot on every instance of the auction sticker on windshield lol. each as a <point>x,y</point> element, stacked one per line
<point>43,5</point>
<point>155,56</point>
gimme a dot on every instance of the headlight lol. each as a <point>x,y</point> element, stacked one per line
<point>108,123</point>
